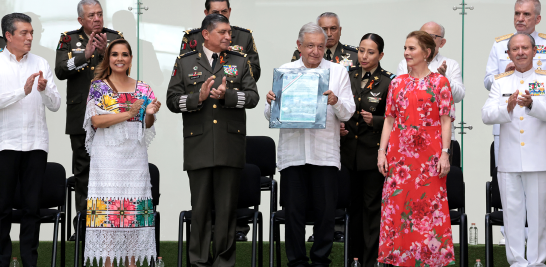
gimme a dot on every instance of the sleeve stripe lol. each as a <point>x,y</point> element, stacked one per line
<point>241,99</point>
<point>182,103</point>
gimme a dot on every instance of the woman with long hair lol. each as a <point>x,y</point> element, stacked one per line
<point>415,223</point>
<point>119,123</point>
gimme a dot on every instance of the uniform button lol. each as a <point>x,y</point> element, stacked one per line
<point>356,136</point>
<point>521,118</point>
<point>359,99</point>
<point>377,143</point>
<point>522,144</point>
<point>506,101</point>
<point>357,124</point>
<point>92,56</point>
<point>191,133</point>
<point>238,131</point>
<point>214,121</point>
<point>214,106</point>
<point>195,83</point>
<point>92,68</point>
<point>521,131</point>
<point>357,112</point>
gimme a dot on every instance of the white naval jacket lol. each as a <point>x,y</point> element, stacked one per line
<point>498,60</point>
<point>523,131</point>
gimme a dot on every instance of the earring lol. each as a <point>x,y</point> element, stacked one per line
<point>425,59</point>
<point>129,71</point>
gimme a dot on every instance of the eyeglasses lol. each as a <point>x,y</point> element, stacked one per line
<point>435,36</point>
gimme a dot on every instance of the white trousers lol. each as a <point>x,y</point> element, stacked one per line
<point>523,196</point>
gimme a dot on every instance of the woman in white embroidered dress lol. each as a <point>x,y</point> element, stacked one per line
<point>119,124</point>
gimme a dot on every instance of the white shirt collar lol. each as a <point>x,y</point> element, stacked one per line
<point>208,53</point>
<point>11,56</point>
<point>322,64</point>
<point>524,75</point>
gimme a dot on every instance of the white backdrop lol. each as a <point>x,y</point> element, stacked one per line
<point>275,25</point>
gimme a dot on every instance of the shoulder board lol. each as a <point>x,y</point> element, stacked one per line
<point>109,30</point>
<point>241,54</point>
<point>543,72</point>
<point>502,75</point>
<point>187,54</point>
<point>192,31</point>
<point>350,48</point>
<point>388,74</point>
<point>353,68</point>
<point>71,32</point>
<point>542,35</point>
<point>241,29</point>
<point>504,37</point>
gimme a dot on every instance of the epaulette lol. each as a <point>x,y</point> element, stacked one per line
<point>236,53</point>
<point>350,48</point>
<point>191,31</point>
<point>504,37</point>
<point>242,29</point>
<point>542,35</point>
<point>71,32</point>
<point>353,68</point>
<point>502,75</point>
<point>388,74</point>
<point>113,31</point>
<point>187,54</point>
<point>543,72</point>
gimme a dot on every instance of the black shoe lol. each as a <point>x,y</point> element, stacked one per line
<point>73,237</point>
<point>311,239</point>
<point>240,236</point>
<point>339,237</point>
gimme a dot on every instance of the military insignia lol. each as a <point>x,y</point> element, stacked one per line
<point>184,46</point>
<point>174,72</point>
<point>375,77</point>
<point>193,44</point>
<point>81,37</point>
<point>254,44</point>
<point>536,89</point>
<point>195,75</point>
<point>236,48</point>
<point>375,94</point>
<point>508,73</point>
<point>504,37</point>
<point>231,71</point>
<point>78,44</point>
<point>1,50</point>
<point>199,54</point>
<point>542,35</point>
<point>373,99</point>
<point>342,50</point>
<point>346,62</point>
<point>175,65</point>
<point>356,75</point>
<point>185,39</point>
<point>195,68</point>
<point>78,51</point>
<point>543,72</point>
<point>293,57</point>
<point>372,108</point>
<point>67,39</point>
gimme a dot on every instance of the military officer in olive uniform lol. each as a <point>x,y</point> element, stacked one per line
<point>2,43</point>
<point>335,51</point>
<point>360,138</point>
<point>76,60</point>
<point>212,88</point>
<point>241,38</point>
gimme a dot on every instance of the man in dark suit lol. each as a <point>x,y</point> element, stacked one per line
<point>212,88</point>
<point>241,38</point>
<point>76,60</point>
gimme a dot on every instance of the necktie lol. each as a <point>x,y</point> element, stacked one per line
<point>214,60</point>
<point>328,54</point>
<point>367,75</point>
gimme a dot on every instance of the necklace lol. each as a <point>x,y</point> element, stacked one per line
<point>420,78</point>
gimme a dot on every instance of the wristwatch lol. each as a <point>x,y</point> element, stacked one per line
<point>447,150</point>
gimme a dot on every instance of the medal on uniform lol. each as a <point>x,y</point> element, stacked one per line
<point>373,99</point>
<point>231,71</point>
<point>372,108</point>
<point>346,62</point>
<point>375,94</point>
<point>195,75</point>
<point>536,88</point>
<point>195,68</point>
<point>78,44</point>
<point>236,48</point>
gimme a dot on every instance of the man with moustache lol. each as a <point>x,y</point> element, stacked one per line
<point>78,54</point>
<point>447,67</point>
<point>335,51</point>
<point>516,103</point>
<point>27,88</point>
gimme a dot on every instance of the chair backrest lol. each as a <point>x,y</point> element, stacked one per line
<point>53,193</point>
<point>249,188</point>
<point>154,177</point>
<point>455,154</point>
<point>261,151</point>
<point>455,188</point>
<point>495,192</point>
<point>492,169</point>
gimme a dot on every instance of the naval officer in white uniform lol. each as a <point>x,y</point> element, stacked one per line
<point>517,103</point>
<point>526,17</point>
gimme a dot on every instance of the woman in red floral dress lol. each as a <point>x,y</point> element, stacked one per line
<point>415,223</point>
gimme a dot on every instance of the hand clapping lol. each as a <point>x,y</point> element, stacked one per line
<point>153,107</point>
<point>512,101</point>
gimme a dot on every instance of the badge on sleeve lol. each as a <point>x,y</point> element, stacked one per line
<point>231,71</point>
<point>536,89</point>
<point>174,72</point>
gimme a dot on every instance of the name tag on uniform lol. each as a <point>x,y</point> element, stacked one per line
<point>78,51</point>
<point>231,71</point>
<point>374,99</point>
<point>503,95</point>
<point>536,89</point>
<point>195,75</point>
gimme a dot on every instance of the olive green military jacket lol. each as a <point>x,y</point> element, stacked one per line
<point>2,43</point>
<point>215,130</point>
<point>241,41</point>
<point>342,50</point>
<point>72,66</point>
<point>359,147</point>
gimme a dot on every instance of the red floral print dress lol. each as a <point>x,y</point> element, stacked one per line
<point>415,222</point>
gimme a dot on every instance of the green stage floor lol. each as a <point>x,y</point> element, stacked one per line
<point>169,253</point>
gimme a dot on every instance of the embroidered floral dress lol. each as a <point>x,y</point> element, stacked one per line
<point>120,220</point>
<point>415,222</point>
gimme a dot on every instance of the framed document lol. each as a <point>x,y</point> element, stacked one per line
<point>300,102</point>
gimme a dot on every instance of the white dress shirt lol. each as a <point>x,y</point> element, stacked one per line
<point>317,146</point>
<point>453,74</point>
<point>522,144</point>
<point>22,117</point>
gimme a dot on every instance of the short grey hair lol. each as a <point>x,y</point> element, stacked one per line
<point>536,2</point>
<point>9,20</point>
<point>311,27</point>
<point>329,15</point>
<point>86,2</point>
<point>442,29</point>
<point>531,38</point>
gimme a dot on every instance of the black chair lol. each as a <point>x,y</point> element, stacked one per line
<point>70,187</point>
<point>249,196</point>
<point>154,180</point>
<point>456,200</point>
<point>260,151</point>
<point>52,206</point>
<point>455,154</point>
<point>279,217</point>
